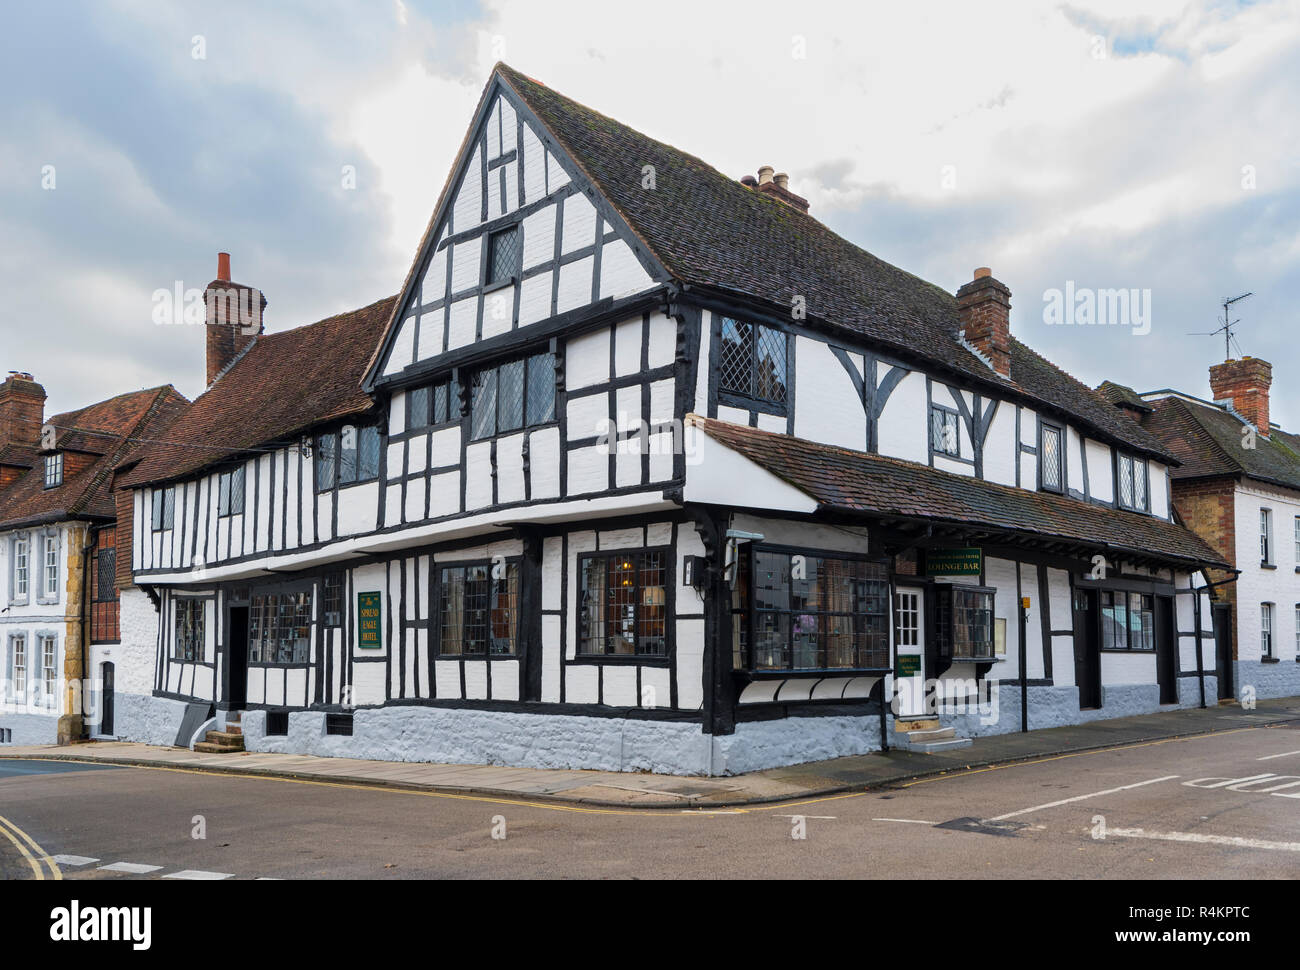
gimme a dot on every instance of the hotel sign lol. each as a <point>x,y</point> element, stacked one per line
<point>370,621</point>
<point>954,562</point>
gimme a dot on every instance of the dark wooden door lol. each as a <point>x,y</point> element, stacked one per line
<point>1087,649</point>
<point>1166,650</point>
<point>237,658</point>
<point>1222,613</point>
<point>106,701</point>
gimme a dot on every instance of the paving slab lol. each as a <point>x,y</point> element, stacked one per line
<point>644,790</point>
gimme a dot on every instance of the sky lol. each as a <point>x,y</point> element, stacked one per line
<point>1144,145</point>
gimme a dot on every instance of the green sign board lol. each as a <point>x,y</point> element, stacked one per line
<point>909,664</point>
<point>954,562</point>
<point>370,621</point>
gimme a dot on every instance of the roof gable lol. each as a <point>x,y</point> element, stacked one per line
<point>574,247</point>
<point>1211,441</point>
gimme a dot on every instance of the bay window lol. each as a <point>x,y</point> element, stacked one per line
<point>811,612</point>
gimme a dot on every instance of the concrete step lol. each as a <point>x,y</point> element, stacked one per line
<point>225,738</point>
<point>946,744</point>
<point>208,747</point>
<point>933,734</point>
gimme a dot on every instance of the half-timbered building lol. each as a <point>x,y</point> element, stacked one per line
<point>645,468</point>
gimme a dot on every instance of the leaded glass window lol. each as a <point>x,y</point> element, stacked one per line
<point>752,361</point>
<point>503,255</point>
<point>943,431</point>
<point>513,395</point>
<point>1050,461</point>
<point>623,602</point>
<point>188,642</point>
<point>479,609</point>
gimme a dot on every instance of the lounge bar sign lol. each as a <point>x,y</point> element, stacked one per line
<point>954,562</point>
<point>370,623</point>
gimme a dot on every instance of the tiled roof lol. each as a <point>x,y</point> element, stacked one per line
<point>879,487</point>
<point>1208,440</point>
<point>709,230</point>
<point>284,384</point>
<point>103,430</point>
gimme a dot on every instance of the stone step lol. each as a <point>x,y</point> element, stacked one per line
<point>233,729</point>
<point>207,747</point>
<point>226,738</point>
<point>947,744</point>
<point>932,734</point>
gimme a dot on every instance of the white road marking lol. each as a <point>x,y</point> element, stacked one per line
<point>910,821</point>
<point>1284,754</point>
<point>1081,798</point>
<point>198,874</point>
<point>134,868</point>
<point>73,860</point>
<point>1232,840</point>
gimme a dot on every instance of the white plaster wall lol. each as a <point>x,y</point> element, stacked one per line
<point>827,406</point>
<point>904,423</point>
<point>1257,585</point>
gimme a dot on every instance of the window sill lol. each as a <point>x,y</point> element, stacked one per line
<point>807,672</point>
<point>622,659</point>
<point>1269,660</point>
<point>734,399</point>
<point>1146,650</point>
<point>477,656</point>
<point>1268,565</point>
<point>498,285</point>
<point>514,431</point>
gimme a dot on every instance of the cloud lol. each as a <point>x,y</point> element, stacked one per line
<point>935,136</point>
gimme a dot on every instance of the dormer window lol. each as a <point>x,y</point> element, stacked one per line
<point>54,469</point>
<point>1132,484</point>
<point>503,256</point>
<point>752,364</point>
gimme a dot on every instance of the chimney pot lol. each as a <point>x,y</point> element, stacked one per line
<point>223,266</point>
<point>782,180</point>
<point>765,174</point>
<point>982,272</point>
<point>748,180</point>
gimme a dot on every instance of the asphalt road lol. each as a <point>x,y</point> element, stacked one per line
<point>1160,805</point>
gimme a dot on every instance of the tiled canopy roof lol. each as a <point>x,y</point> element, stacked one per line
<point>284,384</point>
<point>1208,440</point>
<point>104,431</point>
<point>841,480</point>
<point>709,230</point>
<point>1122,396</point>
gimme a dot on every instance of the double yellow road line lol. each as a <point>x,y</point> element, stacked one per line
<point>43,867</point>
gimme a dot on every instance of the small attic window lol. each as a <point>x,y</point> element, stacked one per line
<point>503,256</point>
<point>54,469</point>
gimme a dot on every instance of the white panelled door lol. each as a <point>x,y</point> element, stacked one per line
<point>909,648</point>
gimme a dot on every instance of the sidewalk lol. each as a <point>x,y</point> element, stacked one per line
<point>627,790</point>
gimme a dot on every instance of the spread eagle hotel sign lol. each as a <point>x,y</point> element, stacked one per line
<point>954,562</point>
<point>370,622</point>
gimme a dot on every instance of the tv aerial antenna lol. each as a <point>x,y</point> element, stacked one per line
<point>1227,324</point>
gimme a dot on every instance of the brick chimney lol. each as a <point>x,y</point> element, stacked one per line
<point>1244,384</point>
<point>234,318</point>
<point>777,185</point>
<point>22,411</point>
<point>984,311</point>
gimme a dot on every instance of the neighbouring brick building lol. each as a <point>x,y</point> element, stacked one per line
<point>1238,487</point>
<point>59,605</point>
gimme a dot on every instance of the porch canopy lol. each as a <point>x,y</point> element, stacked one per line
<point>918,501</point>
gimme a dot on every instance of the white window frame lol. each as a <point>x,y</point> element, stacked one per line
<point>48,592</point>
<point>1297,631</point>
<point>20,571</point>
<point>17,671</point>
<point>1297,543</point>
<point>1266,537</point>
<point>49,672</point>
<point>1266,630</point>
